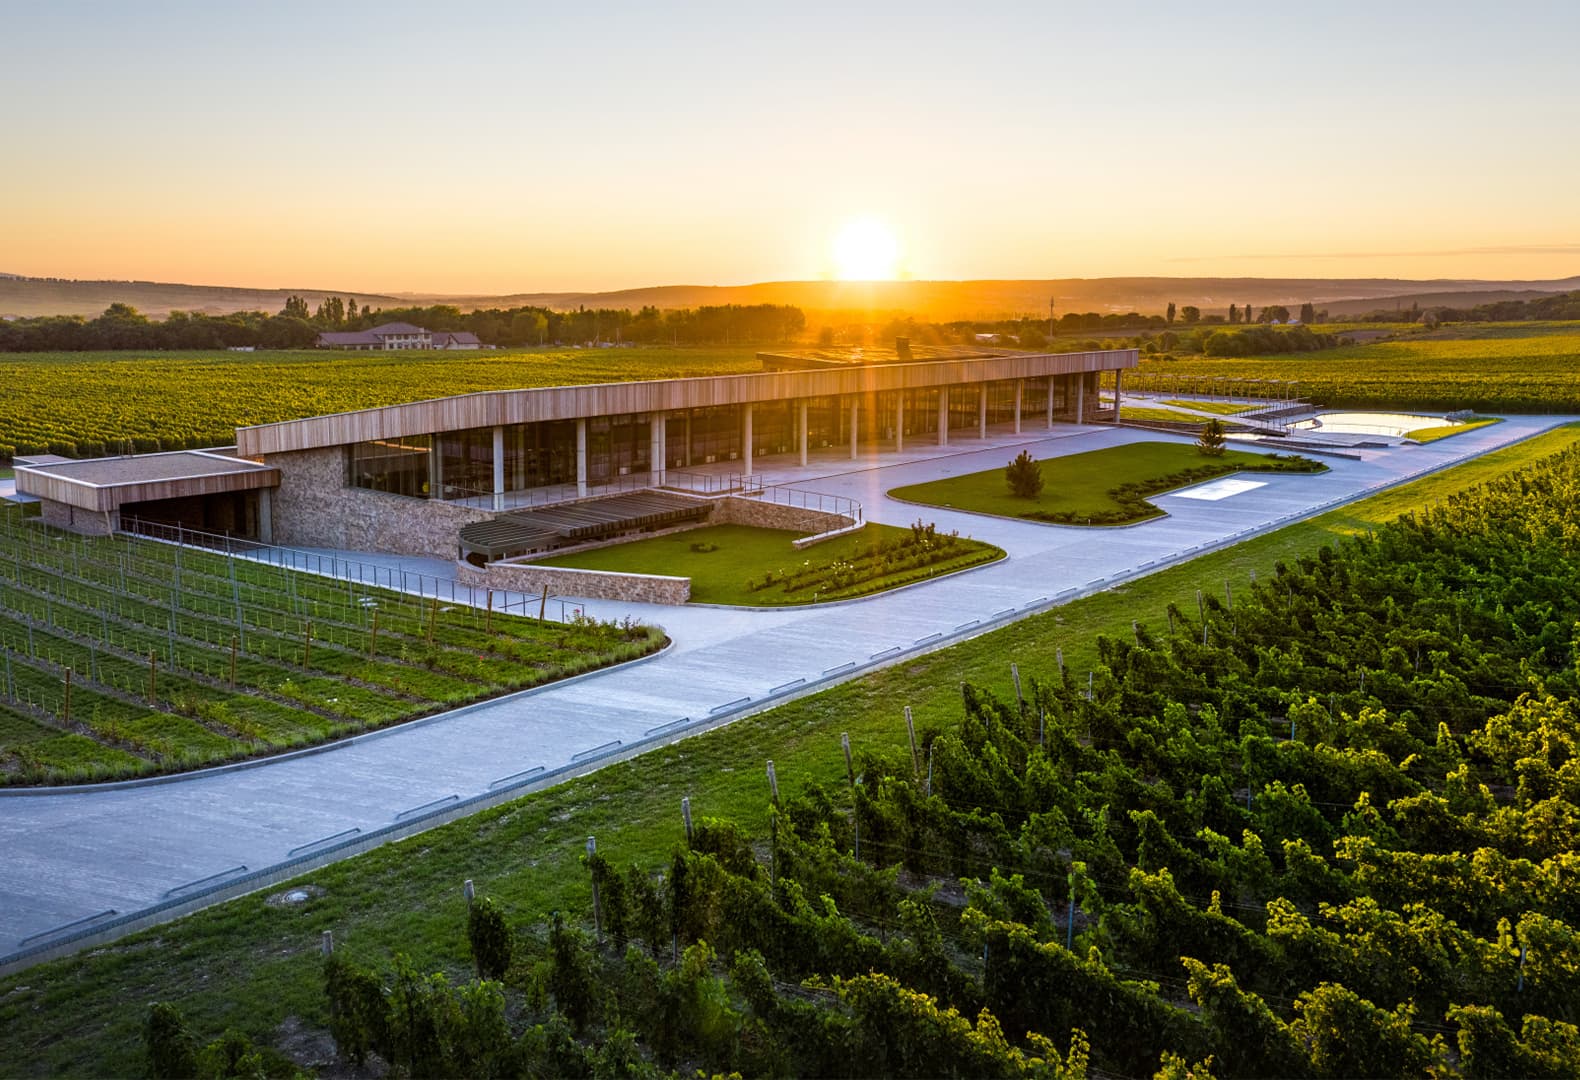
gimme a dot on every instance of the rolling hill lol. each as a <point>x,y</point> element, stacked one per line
<point>937,300</point>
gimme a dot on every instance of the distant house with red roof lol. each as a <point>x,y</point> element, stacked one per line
<point>398,335</point>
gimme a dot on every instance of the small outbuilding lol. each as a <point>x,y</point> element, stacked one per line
<point>206,490</point>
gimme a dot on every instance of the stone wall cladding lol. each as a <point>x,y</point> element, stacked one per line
<point>735,510</point>
<point>530,578</point>
<point>77,520</point>
<point>313,507</point>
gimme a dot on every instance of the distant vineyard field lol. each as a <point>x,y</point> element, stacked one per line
<point>1532,370</point>
<point>84,404</point>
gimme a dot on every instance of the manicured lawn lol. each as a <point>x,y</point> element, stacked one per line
<point>5,474</point>
<point>255,965</point>
<point>1145,414</point>
<point>1098,487</point>
<point>1220,408</point>
<point>725,561</point>
<point>1432,434</point>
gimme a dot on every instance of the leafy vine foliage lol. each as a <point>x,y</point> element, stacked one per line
<point>1326,830</point>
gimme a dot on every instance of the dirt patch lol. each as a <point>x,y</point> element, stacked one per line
<point>313,1049</point>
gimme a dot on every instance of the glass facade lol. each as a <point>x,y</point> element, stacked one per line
<point>466,463</point>
<point>773,428</point>
<point>460,464</point>
<point>399,466</point>
<point>617,445</point>
<point>715,436</point>
<point>538,455</point>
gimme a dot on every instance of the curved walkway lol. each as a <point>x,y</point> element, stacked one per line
<point>79,862</point>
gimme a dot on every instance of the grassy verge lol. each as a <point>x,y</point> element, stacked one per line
<point>740,564</point>
<point>254,965</point>
<point>1443,431</point>
<point>1099,487</point>
<point>1218,408</point>
<point>1147,415</point>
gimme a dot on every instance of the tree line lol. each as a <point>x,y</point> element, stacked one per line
<point>122,326</point>
<point>1559,307</point>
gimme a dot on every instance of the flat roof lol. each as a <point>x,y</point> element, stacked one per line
<point>863,355</point>
<point>143,468</point>
<point>490,408</point>
<point>108,483</point>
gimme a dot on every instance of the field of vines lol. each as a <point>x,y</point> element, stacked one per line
<point>85,404</point>
<point>1508,369</point>
<point>1326,826</point>
<point>121,657</point>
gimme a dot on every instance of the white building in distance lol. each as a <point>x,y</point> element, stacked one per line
<point>397,335</point>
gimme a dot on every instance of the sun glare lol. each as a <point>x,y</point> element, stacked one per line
<point>866,250</point>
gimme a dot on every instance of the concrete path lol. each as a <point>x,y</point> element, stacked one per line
<point>79,863</point>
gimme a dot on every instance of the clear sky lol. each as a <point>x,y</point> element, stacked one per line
<point>502,147</point>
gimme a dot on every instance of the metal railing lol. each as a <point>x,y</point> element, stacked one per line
<point>691,483</point>
<point>838,505</point>
<point>694,483</point>
<point>375,575</point>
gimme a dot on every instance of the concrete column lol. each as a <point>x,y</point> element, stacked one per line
<point>1048,402</point>
<point>686,457</point>
<point>746,436</point>
<point>657,453</point>
<point>1117,375</point>
<point>581,457</point>
<point>1080,399</point>
<point>982,397</point>
<point>266,515</point>
<point>801,428</point>
<point>499,468</point>
<point>436,469</point>
<point>943,416</point>
<point>855,418</point>
<point>1020,390</point>
<point>899,421</point>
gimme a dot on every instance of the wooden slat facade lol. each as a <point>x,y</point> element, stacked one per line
<point>502,407</point>
<point>104,497</point>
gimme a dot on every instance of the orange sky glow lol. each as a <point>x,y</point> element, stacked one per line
<point>492,155</point>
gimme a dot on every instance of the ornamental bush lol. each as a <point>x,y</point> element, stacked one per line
<point>1210,441</point>
<point>1024,476</point>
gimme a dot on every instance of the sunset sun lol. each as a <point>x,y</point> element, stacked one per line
<point>866,250</point>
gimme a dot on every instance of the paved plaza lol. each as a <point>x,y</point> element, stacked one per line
<point>79,860</point>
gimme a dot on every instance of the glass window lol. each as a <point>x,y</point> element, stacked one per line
<point>539,455</point>
<point>399,466</point>
<point>467,462</point>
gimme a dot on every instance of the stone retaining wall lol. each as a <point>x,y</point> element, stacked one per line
<point>531,578</point>
<point>737,510</point>
<point>313,507</point>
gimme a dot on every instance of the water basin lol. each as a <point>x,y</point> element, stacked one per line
<point>1366,423</point>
